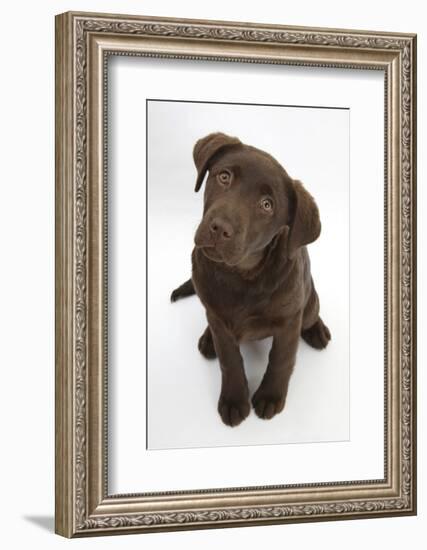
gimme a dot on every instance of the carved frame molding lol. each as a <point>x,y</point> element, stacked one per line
<point>83,42</point>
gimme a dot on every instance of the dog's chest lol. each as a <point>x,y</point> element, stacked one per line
<point>249,310</point>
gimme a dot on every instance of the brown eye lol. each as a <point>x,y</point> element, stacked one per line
<point>224,177</point>
<point>267,205</point>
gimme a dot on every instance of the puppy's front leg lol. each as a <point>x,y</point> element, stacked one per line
<point>270,397</point>
<point>233,404</point>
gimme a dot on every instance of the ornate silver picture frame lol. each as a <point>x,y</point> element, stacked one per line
<point>84,42</point>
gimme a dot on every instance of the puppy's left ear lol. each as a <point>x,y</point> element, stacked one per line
<point>305,222</point>
<point>206,148</point>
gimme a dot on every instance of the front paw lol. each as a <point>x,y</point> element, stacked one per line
<point>268,402</point>
<point>233,410</point>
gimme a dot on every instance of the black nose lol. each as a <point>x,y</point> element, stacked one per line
<point>220,229</point>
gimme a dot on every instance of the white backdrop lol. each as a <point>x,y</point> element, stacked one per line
<point>27,276</point>
<point>313,145</point>
<point>359,456</point>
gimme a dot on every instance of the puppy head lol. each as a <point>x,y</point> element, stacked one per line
<point>249,199</point>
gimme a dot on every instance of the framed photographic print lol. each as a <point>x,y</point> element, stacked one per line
<point>235,274</point>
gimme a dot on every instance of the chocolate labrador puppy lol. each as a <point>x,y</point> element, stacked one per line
<point>251,270</point>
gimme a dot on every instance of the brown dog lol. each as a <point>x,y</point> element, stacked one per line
<point>251,270</point>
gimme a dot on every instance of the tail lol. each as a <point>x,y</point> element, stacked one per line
<point>186,289</point>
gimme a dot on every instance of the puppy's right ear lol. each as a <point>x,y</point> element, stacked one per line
<point>205,149</point>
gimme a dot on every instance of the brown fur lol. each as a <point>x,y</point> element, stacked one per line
<point>251,270</point>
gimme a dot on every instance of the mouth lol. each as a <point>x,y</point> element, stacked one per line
<point>215,255</point>
<point>212,253</point>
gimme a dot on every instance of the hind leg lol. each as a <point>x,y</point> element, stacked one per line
<point>314,331</point>
<point>206,345</point>
<point>318,335</point>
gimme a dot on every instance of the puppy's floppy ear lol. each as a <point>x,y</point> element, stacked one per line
<point>204,150</point>
<point>305,222</point>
